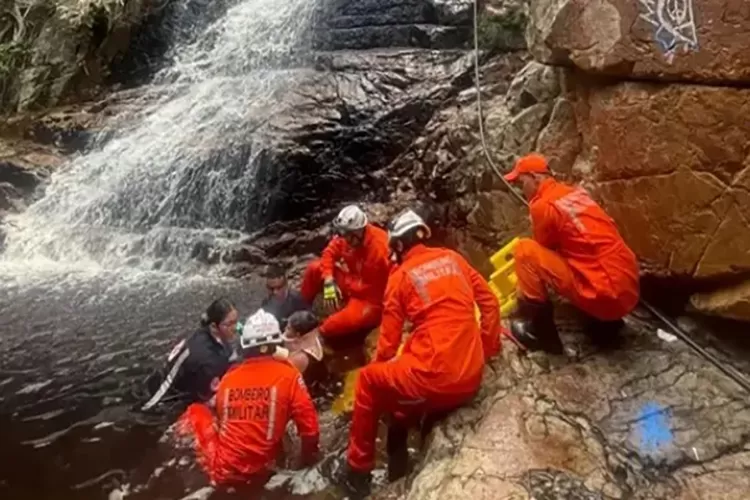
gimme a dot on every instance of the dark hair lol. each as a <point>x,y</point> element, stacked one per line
<point>274,271</point>
<point>216,312</point>
<point>302,322</point>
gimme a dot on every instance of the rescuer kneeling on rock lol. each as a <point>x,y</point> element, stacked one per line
<point>576,250</point>
<point>441,365</point>
<point>352,269</point>
<point>254,402</point>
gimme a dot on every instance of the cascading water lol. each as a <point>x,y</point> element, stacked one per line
<point>181,177</point>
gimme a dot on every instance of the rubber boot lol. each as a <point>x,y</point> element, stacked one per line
<point>398,451</point>
<point>535,327</point>
<point>604,334</point>
<point>355,484</point>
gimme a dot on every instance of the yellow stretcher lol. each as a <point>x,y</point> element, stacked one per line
<point>502,282</point>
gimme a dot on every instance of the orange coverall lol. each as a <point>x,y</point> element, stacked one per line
<point>254,402</point>
<point>361,274</point>
<point>443,358</point>
<point>578,251</point>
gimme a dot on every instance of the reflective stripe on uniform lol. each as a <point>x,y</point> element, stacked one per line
<point>271,414</point>
<point>167,383</point>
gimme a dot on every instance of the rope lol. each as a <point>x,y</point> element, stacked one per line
<point>729,371</point>
<point>480,112</point>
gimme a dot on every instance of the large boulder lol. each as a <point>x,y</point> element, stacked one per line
<point>668,162</point>
<point>694,40</point>
<point>671,159</point>
<point>645,421</point>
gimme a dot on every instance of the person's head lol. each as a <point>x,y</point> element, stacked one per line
<point>221,319</point>
<point>261,335</point>
<point>406,230</point>
<point>300,323</point>
<point>350,224</point>
<point>529,171</point>
<point>276,282</point>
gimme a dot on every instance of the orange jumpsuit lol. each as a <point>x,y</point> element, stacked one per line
<point>578,251</point>
<point>254,402</point>
<point>443,358</point>
<point>361,274</point>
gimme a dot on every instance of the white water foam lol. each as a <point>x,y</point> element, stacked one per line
<point>158,191</point>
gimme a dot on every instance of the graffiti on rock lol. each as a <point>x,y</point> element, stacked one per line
<point>653,429</point>
<point>674,25</point>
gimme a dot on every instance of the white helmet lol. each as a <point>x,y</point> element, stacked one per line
<point>351,218</point>
<point>404,222</point>
<point>260,329</point>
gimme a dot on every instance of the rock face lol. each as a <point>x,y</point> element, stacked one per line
<point>667,158</point>
<point>650,421</point>
<point>693,40</point>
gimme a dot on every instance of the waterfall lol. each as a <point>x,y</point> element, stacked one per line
<point>152,194</point>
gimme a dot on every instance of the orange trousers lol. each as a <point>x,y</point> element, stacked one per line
<point>357,315</point>
<point>198,421</point>
<point>538,267</point>
<point>389,388</point>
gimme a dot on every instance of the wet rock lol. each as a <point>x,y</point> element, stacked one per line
<point>636,423</point>
<point>24,166</point>
<point>703,41</point>
<point>244,254</point>
<point>434,24</point>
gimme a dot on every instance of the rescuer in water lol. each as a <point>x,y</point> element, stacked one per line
<point>576,250</point>
<point>254,403</point>
<point>282,301</point>
<point>441,365</point>
<point>353,271</point>
<point>196,364</point>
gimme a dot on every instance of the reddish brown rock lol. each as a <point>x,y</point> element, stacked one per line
<point>695,40</point>
<point>672,165</point>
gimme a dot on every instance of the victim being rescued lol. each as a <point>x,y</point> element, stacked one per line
<point>239,401</point>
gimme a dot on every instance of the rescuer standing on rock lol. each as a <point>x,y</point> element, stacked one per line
<point>441,365</point>
<point>576,250</point>
<point>254,402</point>
<point>353,269</point>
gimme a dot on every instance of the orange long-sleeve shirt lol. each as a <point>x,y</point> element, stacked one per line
<point>366,267</point>
<point>567,220</point>
<point>435,289</point>
<point>254,403</point>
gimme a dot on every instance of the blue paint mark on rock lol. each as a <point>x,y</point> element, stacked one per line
<point>653,429</point>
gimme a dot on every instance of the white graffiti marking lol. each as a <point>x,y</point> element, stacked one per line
<point>674,25</point>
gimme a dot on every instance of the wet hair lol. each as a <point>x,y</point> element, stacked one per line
<point>302,322</point>
<point>216,312</point>
<point>275,272</point>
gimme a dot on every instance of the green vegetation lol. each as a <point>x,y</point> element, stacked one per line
<point>22,21</point>
<point>499,33</point>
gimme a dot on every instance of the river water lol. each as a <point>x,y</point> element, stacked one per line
<point>76,348</point>
<point>101,276</point>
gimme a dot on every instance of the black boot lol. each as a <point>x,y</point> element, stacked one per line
<point>398,451</point>
<point>604,334</point>
<point>354,484</point>
<point>535,327</point>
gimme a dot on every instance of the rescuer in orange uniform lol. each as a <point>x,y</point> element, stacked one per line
<point>576,250</point>
<point>441,365</point>
<point>254,402</point>
<point>354,269</point>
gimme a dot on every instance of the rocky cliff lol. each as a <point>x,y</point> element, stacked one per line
<point>651,114</point>
<point>642,102</point>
